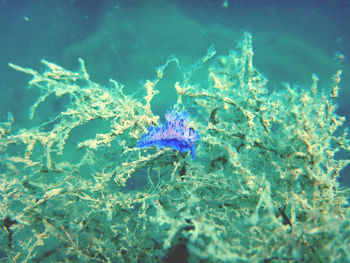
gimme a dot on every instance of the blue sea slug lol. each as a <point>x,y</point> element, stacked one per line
<point>175,134</point>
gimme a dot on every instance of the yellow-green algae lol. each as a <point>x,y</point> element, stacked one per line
<point>263,186</point>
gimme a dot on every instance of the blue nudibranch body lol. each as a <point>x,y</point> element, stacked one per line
<point>175,134</point>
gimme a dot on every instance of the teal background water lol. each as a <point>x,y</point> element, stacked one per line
<point>127,40</point>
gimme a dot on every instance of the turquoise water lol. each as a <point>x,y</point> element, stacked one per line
<point>127,41</point>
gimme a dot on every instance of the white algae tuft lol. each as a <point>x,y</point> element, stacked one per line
<point>262,188</point>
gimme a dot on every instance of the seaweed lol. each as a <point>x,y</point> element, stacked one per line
<point>262,188</point>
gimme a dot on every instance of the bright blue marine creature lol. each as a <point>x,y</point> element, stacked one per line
<point>175,134</point>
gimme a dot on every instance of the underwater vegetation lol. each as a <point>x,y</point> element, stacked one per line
<point>84,186</point>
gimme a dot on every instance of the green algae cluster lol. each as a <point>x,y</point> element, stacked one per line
<point>262,188</point>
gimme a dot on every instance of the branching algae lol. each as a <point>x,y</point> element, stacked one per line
<point>84,186</point>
